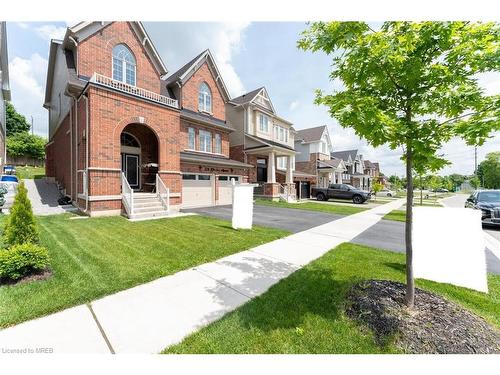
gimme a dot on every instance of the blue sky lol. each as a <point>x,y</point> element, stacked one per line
<point>249,55</point>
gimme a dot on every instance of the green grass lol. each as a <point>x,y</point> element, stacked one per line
<point>396,215</point>
<point>95,257</point>
<point>30,172</point>
<point>304,313</point>
<point>330,208</point>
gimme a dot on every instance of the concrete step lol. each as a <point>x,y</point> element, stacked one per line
<point>144,204</point>
<point>148,209</point>
<point>149,215</point>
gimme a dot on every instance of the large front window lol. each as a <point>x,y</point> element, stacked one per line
<point>205,98</point>
<point>123,65</point>
<point>205,141</point>
<point>218,144</point>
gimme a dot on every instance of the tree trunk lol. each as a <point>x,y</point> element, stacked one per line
<point>421,187</point>
<point>410,283</point>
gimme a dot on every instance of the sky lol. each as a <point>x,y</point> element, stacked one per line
<point>249,55</point>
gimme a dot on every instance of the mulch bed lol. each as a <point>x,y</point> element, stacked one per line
<point>434,326</point>
<point>42,275</point>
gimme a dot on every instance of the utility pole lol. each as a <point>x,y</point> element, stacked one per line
<point>475,160</point>
<point>32,131</point>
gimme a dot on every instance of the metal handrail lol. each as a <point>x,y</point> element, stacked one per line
<point>163,193</point>
<point>134,90</point>
<point>127,196</point>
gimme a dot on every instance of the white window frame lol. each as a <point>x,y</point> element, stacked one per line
<point>124,63</point>
<point>262,128</point>
<point>204,95</point>
<point>205,141</point>
<point>217,143</point>
<point>191,132</point>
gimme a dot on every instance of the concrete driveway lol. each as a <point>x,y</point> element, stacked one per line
<point>291,219</point>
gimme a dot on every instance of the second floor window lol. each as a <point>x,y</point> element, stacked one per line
<point>205,141</point>
<point>191,139</point>
<point>218,144</point>
<point>205,98</point>
<point>123,65</point>
<point>263,123</point>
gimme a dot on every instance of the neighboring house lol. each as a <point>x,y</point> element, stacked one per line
<point>4,91</point>
<point>355,169</point>
<point>314,146</point>
<point>117,127</point>
<point>265,141</point>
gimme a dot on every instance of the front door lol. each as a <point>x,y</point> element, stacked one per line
<point>261,170</point>
<point>130,167</point>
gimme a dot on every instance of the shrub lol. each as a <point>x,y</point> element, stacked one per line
<point>21,226</point>
<point>21,260</point>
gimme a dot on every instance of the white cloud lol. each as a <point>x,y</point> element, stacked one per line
<point>23,25</point>
<point>50,31</point>
<point>293,105</point>
<point>179,42</point>
<point>27,80</point>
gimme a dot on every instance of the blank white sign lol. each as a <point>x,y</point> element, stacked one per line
<point>448,247</point>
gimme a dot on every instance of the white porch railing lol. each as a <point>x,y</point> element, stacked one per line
<point>286,194</point>
<point>163,193</point>
<point>127,196</point>
<point>133,90</point>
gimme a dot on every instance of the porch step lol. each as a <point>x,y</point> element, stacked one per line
<point>147,206</point>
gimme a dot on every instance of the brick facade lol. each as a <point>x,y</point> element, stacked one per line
<point>75,151</point>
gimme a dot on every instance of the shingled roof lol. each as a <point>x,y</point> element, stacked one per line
<point>248,97</point>
<point>344,155</point>
<point>310,134</point>
<point>176,75</point>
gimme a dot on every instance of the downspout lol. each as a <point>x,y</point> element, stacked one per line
<point>87,151</point>
<point>76,150</point>
<point>71,150</point>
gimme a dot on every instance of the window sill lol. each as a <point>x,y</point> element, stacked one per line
<point>204,152</point>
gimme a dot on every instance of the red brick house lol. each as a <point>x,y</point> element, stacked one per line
<point>125,139</point>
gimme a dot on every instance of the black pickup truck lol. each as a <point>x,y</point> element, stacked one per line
<point>340,191</point>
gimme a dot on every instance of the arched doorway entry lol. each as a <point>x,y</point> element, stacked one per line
<point>139,156</point>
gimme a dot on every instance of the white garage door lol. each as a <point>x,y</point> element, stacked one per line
<point>197,190</point>
<point>226,190</point>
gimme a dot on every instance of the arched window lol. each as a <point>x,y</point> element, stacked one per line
<point>123,64</point>
<point>205,98</point>
<point>127,139</point>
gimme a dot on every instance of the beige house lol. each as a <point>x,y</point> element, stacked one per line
<point>262,139</point>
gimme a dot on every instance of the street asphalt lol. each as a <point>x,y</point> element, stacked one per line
<point>386,234</point>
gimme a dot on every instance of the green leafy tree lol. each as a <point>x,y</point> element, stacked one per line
<point>16,122</point>
<point>26,144</point>
<point>475,182</point>
<point>412,86</point>
<point>377,187</point>
<point>488,171</point>
<point>21,226</point>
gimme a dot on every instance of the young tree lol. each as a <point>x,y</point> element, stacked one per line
<point>16,123</point>
<point>377,187</point>
<point>411,86</point>
<point>488,171</point>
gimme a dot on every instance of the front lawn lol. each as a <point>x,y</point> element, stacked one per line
<point>396,215</point>
<point>30,172</point>
<point>304,313</point>
<point>329,208</point>
<point>94,257</point>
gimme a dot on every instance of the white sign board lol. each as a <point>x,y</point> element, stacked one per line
<point>449,246</point>
<point>242,206</point>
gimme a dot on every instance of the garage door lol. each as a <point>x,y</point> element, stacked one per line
<point>197,190</point>
<point>225,189</point>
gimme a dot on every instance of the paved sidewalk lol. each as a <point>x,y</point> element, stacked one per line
<point>43,196</point>
<point>152,316</point>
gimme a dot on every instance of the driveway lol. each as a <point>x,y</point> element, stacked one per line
<point>291,219</point>
<point>43,196</point>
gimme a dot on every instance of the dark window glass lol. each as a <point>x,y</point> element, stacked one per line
<point>222,178</point>
<point>189,177</point>
<point>203,177</point>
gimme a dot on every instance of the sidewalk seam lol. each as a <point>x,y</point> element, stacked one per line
<point>223,283</point>
<point>103,334</point>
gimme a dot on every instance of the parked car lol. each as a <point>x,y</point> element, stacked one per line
<point>10,183</point>
<point>340,191</point>
<point>9,169</point>
<point>386,193</point>
<point>441,190</point>
<point>488,201</point>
